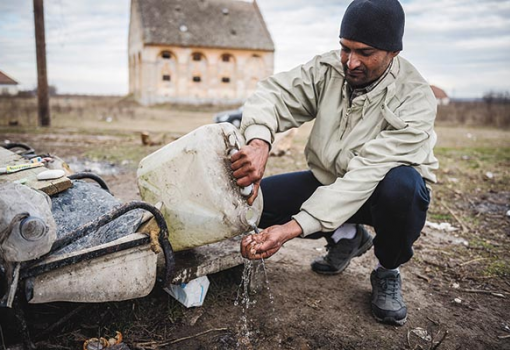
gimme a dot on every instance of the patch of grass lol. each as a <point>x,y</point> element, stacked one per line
<point>480,243</point>
<point>439,216</point>
<point>472,220</point>
<point>126,154</point>
<point>174,311</point>
<point>499,268</point>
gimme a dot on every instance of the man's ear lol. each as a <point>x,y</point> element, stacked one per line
<point>394,54</point>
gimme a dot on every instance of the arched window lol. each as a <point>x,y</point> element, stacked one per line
<point>166,68</point>
<point>198,67</point>
<point>226,68</point>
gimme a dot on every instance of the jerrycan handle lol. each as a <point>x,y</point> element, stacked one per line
<point>245,191</point>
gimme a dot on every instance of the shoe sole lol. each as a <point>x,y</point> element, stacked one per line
<point>390,320</point>
<point>362,250</point>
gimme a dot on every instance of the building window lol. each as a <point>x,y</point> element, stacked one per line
<point>166,55</point>
<point>166,77</point>
<point>197,57</point>
<point>197,79</point>
<point>225,58</point>
<point>225,80</point>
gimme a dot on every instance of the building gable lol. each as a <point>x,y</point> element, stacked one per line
<point>6,80</point>
<point>438,92</point>
<point>440,95</point>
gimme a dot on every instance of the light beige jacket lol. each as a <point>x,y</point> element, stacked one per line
<point>350,149</point>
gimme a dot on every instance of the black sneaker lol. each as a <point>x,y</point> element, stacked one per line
<point>340,254</point>
<point>387,302</point>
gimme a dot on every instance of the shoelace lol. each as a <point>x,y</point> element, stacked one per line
<point>388,287</point>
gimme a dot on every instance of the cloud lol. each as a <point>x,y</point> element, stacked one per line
<point>447,40</point>
<point>86,44</point>
<point>460,45</point>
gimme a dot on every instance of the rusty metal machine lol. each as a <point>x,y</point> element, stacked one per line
<point>69,239</point>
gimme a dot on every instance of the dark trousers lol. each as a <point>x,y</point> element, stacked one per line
<point>396,210</point>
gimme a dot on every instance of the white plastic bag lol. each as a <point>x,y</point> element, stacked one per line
<point>190,294</point>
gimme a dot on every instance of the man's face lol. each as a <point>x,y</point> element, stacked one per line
<point>363,64</point>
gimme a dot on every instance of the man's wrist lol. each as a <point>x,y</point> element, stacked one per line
<point>292,230</point>
<point>258,143</point>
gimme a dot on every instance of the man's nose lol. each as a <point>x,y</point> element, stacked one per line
<point>353,62</point>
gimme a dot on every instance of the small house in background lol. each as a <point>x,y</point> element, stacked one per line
<point>197,51</point>
<point>8,86</point>
<point>441,96</point>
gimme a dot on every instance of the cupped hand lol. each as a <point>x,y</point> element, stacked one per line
<point>266,243</point>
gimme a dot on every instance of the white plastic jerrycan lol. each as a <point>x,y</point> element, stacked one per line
<point>191,177</point>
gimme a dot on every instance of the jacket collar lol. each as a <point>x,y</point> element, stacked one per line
<point>333,60</point>
<point>356,92</point>
<point>388,83</point>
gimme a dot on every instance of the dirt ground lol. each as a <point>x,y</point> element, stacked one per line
<point>457,287</point>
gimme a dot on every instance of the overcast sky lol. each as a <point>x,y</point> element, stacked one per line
<point>462,46</point>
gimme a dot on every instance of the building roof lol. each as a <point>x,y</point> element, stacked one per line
<point>229,24</point>
<point>438,93</point>
<point>6,80</point>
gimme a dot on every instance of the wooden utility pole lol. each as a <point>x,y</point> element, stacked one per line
<point>42,78</point>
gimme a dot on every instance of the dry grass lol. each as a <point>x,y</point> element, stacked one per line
<point>105,114</point>
<point>495,114</point>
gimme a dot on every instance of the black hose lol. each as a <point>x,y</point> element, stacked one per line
<point>11,145</point>
<point>92,176</point>
<point>28,152</point>
<point>102,221</point>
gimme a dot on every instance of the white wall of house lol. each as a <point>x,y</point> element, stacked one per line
<point>445,101</point>
<point>160,74</point>
<point>8,89</point>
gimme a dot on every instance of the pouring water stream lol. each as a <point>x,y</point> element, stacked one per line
<point>248,276</point>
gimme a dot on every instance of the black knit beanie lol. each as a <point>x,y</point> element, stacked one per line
<point>378,23</point>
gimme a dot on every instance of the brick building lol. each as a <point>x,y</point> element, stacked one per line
<point>197,51</point>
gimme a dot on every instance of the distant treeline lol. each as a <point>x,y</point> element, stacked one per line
<point>492,110</point>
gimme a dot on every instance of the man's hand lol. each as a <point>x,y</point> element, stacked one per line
<point>265,244</point>
<point>249,165</point>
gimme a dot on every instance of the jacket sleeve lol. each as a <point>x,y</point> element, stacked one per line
<point>283,101</point>
<point>409,141</point>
